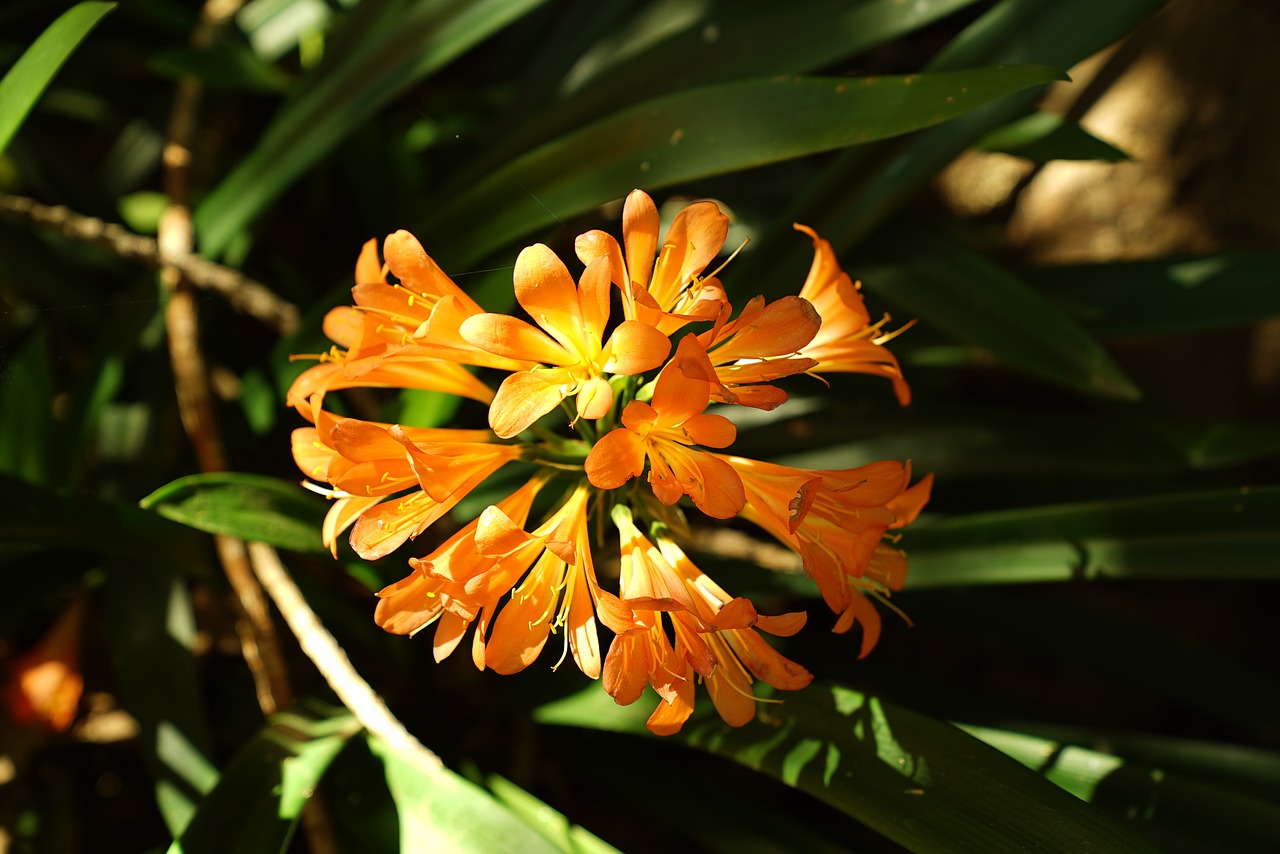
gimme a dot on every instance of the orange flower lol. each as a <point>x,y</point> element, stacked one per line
<point>367,462</point>
<point>715,637</point>
<point>670,294</point>
<point>518,580</point>
<point>847,341</point>
<point>573,323</point>
<point>45,684</point>
<point>663,432</point>
<point>835,521</point>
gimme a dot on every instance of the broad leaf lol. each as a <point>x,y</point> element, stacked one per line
<point>248,506</point>
<point>921,782</point>
<point>1041,137</point>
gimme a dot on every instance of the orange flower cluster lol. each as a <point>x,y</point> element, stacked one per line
<point>634,403</point>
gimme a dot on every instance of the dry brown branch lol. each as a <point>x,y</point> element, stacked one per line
<point>242,293</point>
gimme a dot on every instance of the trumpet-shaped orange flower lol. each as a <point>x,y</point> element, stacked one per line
<point>571,341</point>
<point>667,294</point>
<point>663,432</point>
<point>847,341</point>
<point>513,577</point>
<point>715,637</point>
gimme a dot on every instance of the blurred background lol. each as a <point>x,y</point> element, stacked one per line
<point>1094,264</point>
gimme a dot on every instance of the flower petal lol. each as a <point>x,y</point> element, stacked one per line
<point>525,397</point>
<point>634,348</point>
<point>504,335</point>
<point>545,289</point>
<point>617,457</point>
<point>640,224</point>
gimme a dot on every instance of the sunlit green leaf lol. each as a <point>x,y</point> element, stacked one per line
<point>922,783</point>
<point>708,131</point>
<point>554,826</point>
<point>247,506</point>
<point>1166,806</point>
<point>31,74</point>
<point>440,810</point>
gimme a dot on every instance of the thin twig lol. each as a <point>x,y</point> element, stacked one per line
<point>728,543</point>
<point>330,659</point>
<point>242,293</point>
<point>175,240</point>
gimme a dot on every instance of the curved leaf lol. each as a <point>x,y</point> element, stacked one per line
<point>923,783</point>
<point>248,506</point>
<point>708,131</point>
<point>31,74</point>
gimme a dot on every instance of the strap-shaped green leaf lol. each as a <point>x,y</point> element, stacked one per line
<point>708,131</point>
<point>32,73</point>
<point>921,782</point>
<point>248,506</point>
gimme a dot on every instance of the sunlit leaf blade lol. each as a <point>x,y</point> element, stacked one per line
<point>1165,296</point>
<point>921,782</point>
<point>708,131</point>
<point>553,825</point>
<point>31,74</point>
<point>697,44</point>
<point>248,506</point>
<point>441,811</point>
<point>43,517</point>
<point>152,637</point>
<point>256,804</point>
<point>1167,807</point>
<point>1212,535</point>
<point>406,42</point>
<point>937,279</point>
<point>1041,137</point>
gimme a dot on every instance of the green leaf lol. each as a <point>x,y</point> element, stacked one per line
<point>921,782</point>
<point>248,506</point>
<point>708,131</point>
<point>1166,806</point>
<point>54,520</point>
<point>152,636</point>
<point>975,300</point>
<point>441,811</point>
<point>405,42</point>
<point>1041,137</point>
<point>1212,535</point>
<point>557,829</point>
<point>697,44</point>
<point>1165,296</point>
<point>256,804</point>
<point>31,74</point>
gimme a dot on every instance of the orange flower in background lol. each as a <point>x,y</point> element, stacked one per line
<point>45,684</point>
<point>631,408</point>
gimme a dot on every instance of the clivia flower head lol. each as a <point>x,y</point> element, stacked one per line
<point>609,417</point>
